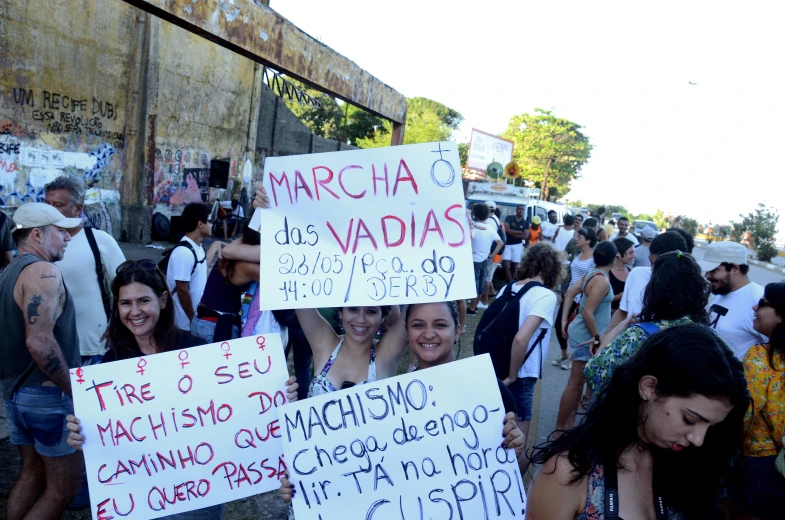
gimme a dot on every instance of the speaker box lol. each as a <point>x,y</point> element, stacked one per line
<point>219,173</point>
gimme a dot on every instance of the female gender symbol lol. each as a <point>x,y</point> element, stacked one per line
<point>226,350</point>
<point>79,374</point>
<point>450,172</point>
<point>183,355</point>
<point>142,363</point>
<point>260,340</point>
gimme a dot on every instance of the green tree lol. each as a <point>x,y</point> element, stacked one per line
<point>690,225</point>
<point>550,150</point>
<point>721,231</point>
<point>661,219</point>
<point>324,121</point>
<point>463,153</point>
<point>737,231</point>
<point>361,124</point>
<point>426,121</point>
<point>762,225</point>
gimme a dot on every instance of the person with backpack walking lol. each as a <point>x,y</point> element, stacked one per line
<point>676,295</point>
<point>583,331</point>
<point>539,274</point>
<point>757,486</point>
<point>186,268</point>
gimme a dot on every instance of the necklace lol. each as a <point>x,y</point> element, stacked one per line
<point>623,267</point>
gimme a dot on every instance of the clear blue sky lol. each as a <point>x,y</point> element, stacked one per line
<point>621,69</point>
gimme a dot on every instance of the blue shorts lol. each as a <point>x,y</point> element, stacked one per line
<point>523,392</point>
<point>36,417</point>
<point>582,353</point>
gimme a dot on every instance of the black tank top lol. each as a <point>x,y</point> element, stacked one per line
<point>617,286</point>
<point>221,295</point>
<point>17,367</point>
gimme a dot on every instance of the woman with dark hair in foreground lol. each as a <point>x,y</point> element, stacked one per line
<point>664,429</point>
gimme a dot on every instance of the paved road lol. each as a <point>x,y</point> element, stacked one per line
<point>554,378</point>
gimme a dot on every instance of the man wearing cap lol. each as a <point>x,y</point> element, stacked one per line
<point>535,231</point>
<point>730,312</point>
<point>39,346</point>
<point>642,249</point>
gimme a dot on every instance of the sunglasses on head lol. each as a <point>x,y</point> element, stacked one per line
<point>145,264</point>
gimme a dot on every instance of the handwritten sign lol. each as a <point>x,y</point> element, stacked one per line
<point>365,227</point>
<point>182,430</point>
<point>422,445</point>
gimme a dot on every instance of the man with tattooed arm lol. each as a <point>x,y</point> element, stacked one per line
<point>38,347</point>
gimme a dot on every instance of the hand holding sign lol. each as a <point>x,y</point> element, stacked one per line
<point>365,228</point>
<point>428,444</point>
<point>197,428</point>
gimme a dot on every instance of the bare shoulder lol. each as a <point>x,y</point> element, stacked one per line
<point>41,275</point>
<point>552,494</point>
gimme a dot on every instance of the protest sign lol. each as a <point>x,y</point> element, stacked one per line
<point>365,227</point>
<point>182,430</point>
<point>426,445</point>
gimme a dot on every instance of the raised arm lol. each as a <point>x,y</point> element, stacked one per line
<point>391,347</point>
<point>239,251</point>
<point>318,332</point>
<point>42,292</point>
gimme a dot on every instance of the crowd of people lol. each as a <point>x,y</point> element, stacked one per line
<point>674,407</point>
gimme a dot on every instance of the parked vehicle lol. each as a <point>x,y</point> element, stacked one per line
<point>640,224</point>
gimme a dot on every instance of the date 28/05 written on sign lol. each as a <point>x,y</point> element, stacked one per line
<point>314,274</point>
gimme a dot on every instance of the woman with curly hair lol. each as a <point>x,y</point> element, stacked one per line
<point>657,441</point>
<point>676,294</point>
<point>542,268</point>
<point>756,490</point>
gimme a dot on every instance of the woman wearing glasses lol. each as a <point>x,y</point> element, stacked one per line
<point>757,489</point>
<point>142,324</point>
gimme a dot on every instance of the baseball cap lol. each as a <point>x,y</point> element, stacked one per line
<point>717,253</point>
<point>38,214</point>
<point>648,233</point>
<point>491,204</point>
<point>537,220</point>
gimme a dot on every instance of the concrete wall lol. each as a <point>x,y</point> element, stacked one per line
<point>134,106</point>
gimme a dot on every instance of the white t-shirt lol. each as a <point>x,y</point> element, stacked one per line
<point>541,302</point>
<point>632,298</point>
<point>563,238</point>
<point>548,230</point>
<point>78,268</point>
<point>181,262</point>
<point>735,327</point>
<point>628,236</point>
<point>482,240</point>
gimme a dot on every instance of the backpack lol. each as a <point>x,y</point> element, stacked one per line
<point>498,327</point>
<point>500,232</point>
<point>163,264</point>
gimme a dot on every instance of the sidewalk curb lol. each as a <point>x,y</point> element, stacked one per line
<point>767,265</point>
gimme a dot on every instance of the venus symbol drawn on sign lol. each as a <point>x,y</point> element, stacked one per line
<point>183,355</point>
<point>226,350</point>
<point>142,363</point>
<point>260,340</point>
<point>442,172</point>
<point>79,374</point>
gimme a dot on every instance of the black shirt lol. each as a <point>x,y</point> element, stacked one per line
<point>516,225</point>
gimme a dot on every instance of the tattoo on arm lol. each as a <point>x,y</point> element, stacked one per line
<point>32,308</point>
<point>44,276</point>
<point>53,364</point>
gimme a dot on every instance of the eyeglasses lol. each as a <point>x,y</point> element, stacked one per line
<point>144,264</point>
<point>763,302</point>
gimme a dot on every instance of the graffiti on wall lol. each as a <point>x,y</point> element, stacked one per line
<point>181,175</point>
<point>61,114</point>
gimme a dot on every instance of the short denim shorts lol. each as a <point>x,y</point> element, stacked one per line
<point>36,417</point>
<point>582,353</point>
<point>523,392</point>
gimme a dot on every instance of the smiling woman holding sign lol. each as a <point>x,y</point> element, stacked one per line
<point>142,324</point>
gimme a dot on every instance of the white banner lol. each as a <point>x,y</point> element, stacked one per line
<point>485,148</point>
<point>422,445</point>
<point>365,227</point>
<point>182,430</point>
